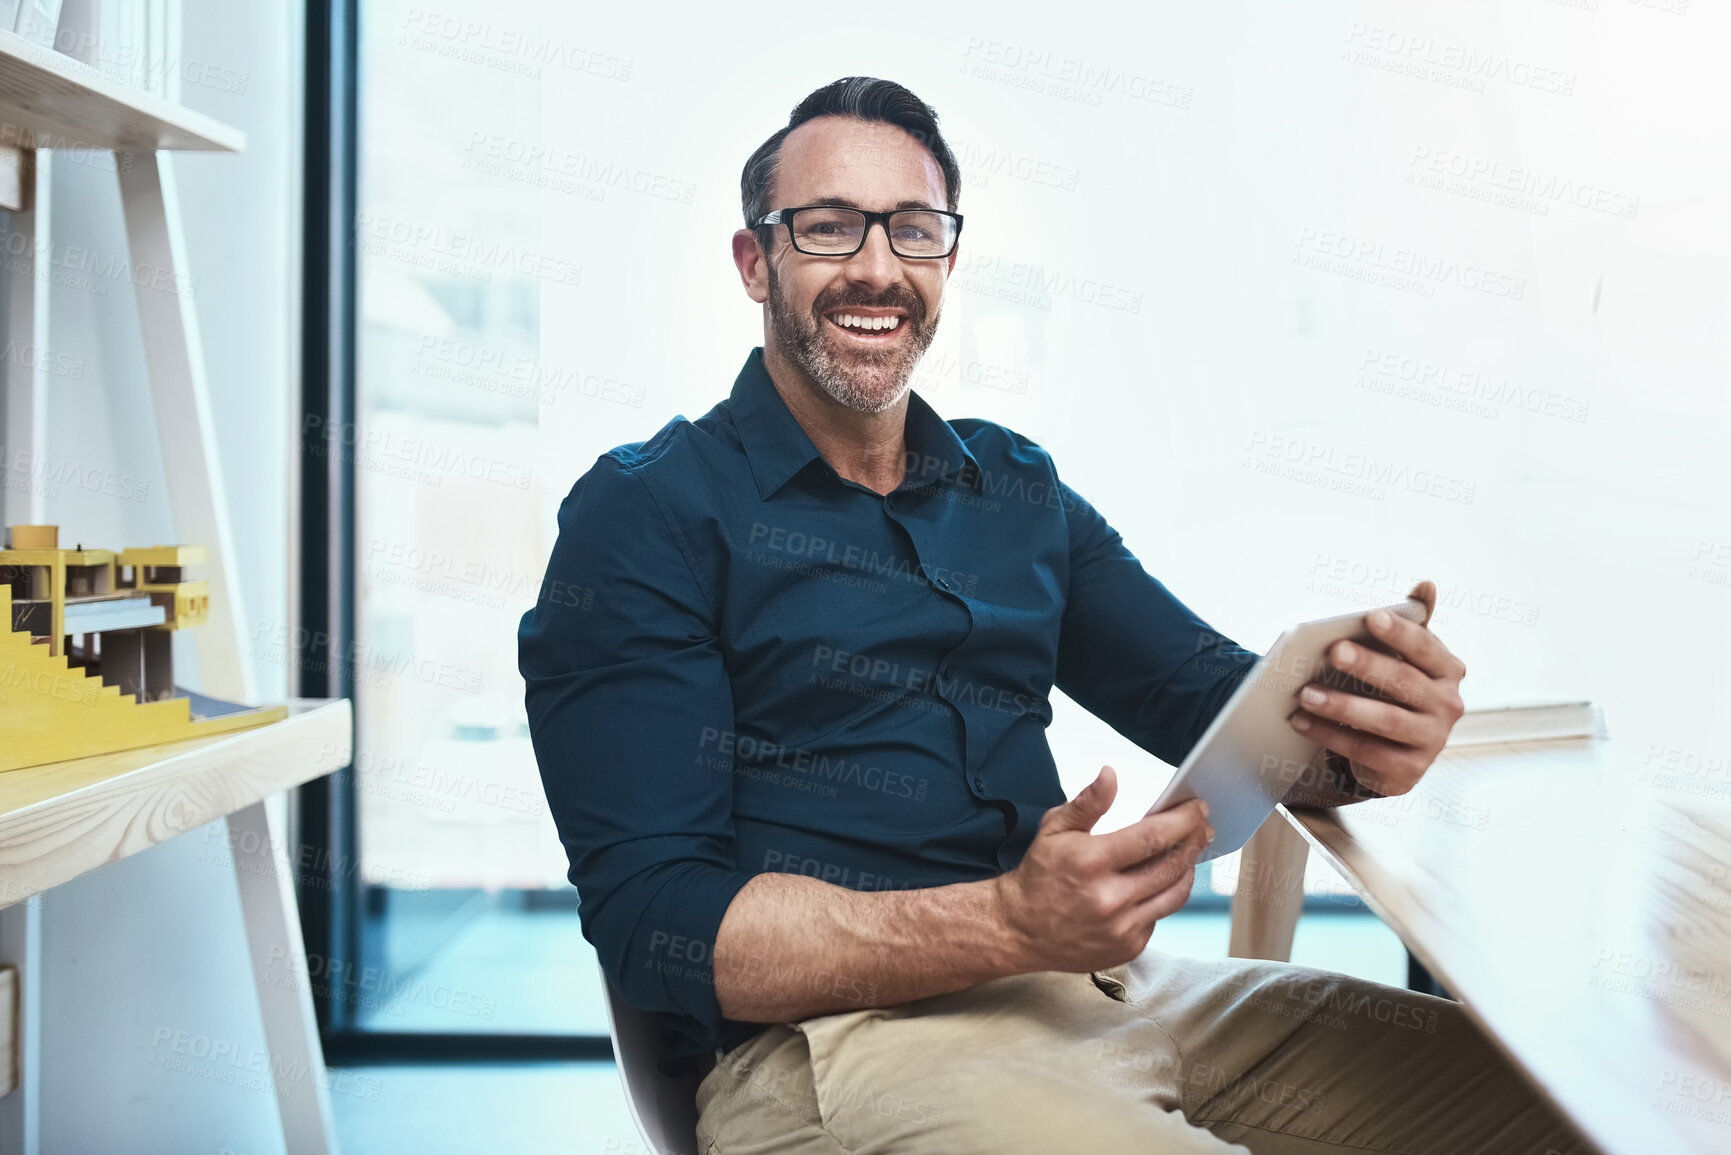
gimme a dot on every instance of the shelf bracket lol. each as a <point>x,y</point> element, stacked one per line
<point>174,355</point>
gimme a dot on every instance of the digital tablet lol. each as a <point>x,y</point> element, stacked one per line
<point>1250,756</point>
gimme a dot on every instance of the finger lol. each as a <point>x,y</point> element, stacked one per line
<point>1155,874</point>
<point>1084,810</point>
<point>1415,643</point>
<point>1393,677</point>
<point>1192,843</point>
<point>1152,834</point>
<point>1384,719</point>
<point>1425,591</point>
<point>1168,901</point>
<point>1384,766</point>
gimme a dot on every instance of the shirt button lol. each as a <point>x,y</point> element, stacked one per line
<point>947,672</point>
<point>979,783</point>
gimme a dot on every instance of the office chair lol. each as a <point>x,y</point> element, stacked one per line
<point>664,1108</point>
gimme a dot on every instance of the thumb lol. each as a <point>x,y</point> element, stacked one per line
<point>1082,811</point>
<point>1425,591</point>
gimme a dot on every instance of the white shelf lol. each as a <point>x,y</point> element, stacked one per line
<point>63,103</point>
<point>64,818</point>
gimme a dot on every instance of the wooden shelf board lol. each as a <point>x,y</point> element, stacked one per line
<point>59,102</point>
<point>60,820</point>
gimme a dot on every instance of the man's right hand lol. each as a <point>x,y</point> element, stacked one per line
<point>1079,901</point>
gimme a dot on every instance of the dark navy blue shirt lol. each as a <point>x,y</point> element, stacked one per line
<point>742,662</point>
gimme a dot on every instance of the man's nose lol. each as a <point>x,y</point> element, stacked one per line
<point>876,262</point>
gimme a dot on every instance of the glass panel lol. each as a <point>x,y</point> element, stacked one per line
<point>469,922</point>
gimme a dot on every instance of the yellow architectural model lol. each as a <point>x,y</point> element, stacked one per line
<point>86,649</point>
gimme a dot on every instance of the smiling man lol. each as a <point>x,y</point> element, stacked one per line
<point>793,736</point>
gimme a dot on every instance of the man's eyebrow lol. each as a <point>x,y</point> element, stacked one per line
<point>848,203</point>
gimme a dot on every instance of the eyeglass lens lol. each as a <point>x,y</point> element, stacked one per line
<point>913,232</point>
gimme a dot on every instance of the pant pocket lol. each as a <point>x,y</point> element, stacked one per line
<point>1112,981</point>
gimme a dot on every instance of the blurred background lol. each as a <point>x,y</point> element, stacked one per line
<point>1311,302</point>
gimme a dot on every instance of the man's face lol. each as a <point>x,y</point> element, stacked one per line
<point>876,167</point>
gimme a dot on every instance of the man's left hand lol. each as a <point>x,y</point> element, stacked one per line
<point>1391,743</point>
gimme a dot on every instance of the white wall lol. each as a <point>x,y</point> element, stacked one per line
<point>1196,158</point>
<point>144,962</point>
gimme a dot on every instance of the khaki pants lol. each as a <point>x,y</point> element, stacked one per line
<point>1166,1054</point>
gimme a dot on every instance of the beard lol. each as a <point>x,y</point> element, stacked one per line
<point>866,380</point>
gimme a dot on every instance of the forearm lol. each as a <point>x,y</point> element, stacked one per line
<point>791,947</point>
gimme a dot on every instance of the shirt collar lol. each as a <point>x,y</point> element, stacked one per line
<point>777,446</point>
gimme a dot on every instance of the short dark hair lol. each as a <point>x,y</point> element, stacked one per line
<point>862,98</point>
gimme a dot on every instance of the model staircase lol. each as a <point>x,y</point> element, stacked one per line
<point>51,710</point>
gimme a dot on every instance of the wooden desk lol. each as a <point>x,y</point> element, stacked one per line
<point>60,820</point>
<point>1580,908</point>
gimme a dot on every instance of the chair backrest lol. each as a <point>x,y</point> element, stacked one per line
<point>664,1108</point>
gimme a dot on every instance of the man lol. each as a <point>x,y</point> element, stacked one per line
<point>788,684</point>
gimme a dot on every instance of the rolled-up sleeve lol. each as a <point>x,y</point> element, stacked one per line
<point>1130,652</point>
<point>629,709</point>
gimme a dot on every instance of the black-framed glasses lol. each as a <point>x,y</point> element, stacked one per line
<point>838,231</point>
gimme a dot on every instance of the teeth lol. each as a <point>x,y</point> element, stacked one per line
<point>851,321</point>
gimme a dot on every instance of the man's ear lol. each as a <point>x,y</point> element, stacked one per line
<point>752,263</point>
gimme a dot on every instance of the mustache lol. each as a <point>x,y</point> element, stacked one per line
<point>903,299</point>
